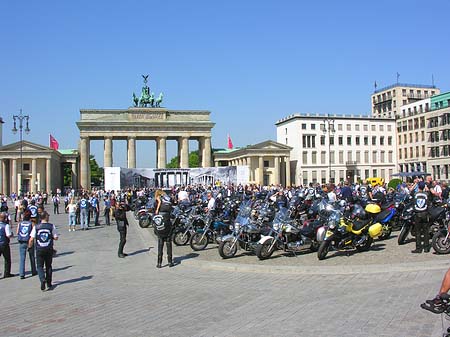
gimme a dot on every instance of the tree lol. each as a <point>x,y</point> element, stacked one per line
<point>96,173</point>
<point>194,160</point>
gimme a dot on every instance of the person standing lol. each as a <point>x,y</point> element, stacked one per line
<point>72,210</point>
<point>421,203</point>
<point>163,226</point>
<point>95,209</point>
<point>5,235</point>
<point>107,211</point>
<point>44,234</point>
<point>23,236</point>
<point>56,204</point>
<point>122,223</point>
<point>84,212</point>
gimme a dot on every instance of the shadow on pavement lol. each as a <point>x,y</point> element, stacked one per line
<point>64,253</point>
<point>73,280</point>
<point>140,251</point>
<point>178,259</point>
<point>61,268</point>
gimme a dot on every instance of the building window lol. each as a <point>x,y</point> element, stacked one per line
<point>381,127</point>
<point>314,157</point>
<point>374,140</point>
<point>358,157</point>
<point>313,126</point>
<point>400,153</point>
<point>366,140</point>
<point>332,159</point>
<point>366,174</point>
<point>305,157</point>
<point>366,157</point>
<point>340,127</point>
<point>375,173</point>
<point>349,127</point>
<point>349,140</point>
<point>373,128</point>
<point>331,140</point>
<point>266,163</point>
<point>374,157</point>
<point>349,156</point>
<point>309,141</point>
<point>389,127</point>
<point>303,126</point>
<point>286,141</point>
<point>341,157</point>
<point>340,140</point>
<point>357,140</point>
<point>382,157</point>
<point>403,92</point>
<point>285,131</point>
<point>322,157</point>
<point>26,166</point>
<point>366,127</point>
<point>322,140</point>
<point>389,140</point>
<point>357,127</point>
<point>390,157</point>
<point>381,140</point>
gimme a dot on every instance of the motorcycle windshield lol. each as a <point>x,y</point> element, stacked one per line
<point>282,216</point>
<point>243,216</point>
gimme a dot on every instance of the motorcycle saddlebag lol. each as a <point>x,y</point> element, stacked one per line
<point>375,230</point>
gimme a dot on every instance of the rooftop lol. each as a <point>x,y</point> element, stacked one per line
<point>425,86</point>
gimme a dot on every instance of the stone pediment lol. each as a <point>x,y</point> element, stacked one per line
<point>27,147</point>
<point>269,144</point>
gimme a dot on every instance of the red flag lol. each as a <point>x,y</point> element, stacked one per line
<point>53,143</point>
<point>230,143</point>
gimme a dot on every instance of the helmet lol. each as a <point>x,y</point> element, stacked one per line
<point>373,208</point>
<point>342,203</point>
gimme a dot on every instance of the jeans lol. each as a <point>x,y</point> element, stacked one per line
<point>84,218</point>
<point>44,257</point>
<point>23,248</point>
<point>72,219</point>
<point>95,215</point>
<point>6,252</point>
<point>55,208</point>
<point>107,217</point>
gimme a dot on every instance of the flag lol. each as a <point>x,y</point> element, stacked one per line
<point>53,143</point>
<point>230,143</point>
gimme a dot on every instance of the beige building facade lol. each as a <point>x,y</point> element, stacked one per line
<point>338,148</point>
<point>30,167</point>
<point>387,101</point>
<point>268,162</point>
<point>141,123</point>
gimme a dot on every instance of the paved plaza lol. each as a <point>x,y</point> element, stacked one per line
<point>376,293</point>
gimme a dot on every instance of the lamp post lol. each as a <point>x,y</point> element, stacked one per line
<point>21,118</point>
<point>328,127</point>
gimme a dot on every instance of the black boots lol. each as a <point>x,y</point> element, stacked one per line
<point>169,259</point>
<point>158,265</point>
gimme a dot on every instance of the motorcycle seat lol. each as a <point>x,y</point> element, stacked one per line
<point>359,224</point>
<point>382,215</point>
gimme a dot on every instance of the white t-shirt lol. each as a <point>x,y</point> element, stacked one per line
<point>72,208</point>
<point>183,195</point>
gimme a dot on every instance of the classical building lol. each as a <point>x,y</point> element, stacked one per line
<point>142,123</point>
<point>387,101</point>
<point>268,162</point>
<point>337,148</point>
<point>28,167</point>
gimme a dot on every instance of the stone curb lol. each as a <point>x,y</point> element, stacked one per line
<point>149,238</point>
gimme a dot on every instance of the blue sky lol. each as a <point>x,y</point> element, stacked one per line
<point>249,62</point>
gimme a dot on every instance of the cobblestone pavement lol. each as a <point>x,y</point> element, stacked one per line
<point>98,294</point>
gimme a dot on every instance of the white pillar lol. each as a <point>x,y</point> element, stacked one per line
<point>288,171</point>
<point>14,176</point>
<point>184,160</point>
<point>162,152</point>
<point>48,175</point>
<point>206,153</point>
<point>276,170</point>
<point>33,175</point>
<point>4,177</point>
<point>84,163</point>
<point>131,152</point>
<point>74,175</point>
<point>260,170</point>
<point>108,153</point>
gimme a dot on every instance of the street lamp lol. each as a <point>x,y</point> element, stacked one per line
<point>328,127</point>
<point>21,118</point>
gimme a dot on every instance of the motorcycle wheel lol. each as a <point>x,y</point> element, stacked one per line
<point>226,250</point>
<point>178,238</point>
<point>403,235</point>
<point>387,230</point>
<point>144,222</point>
<point>366,245</point>
<point>197,243</point>
<point>263,250</point>
<point>438,243</point>
<point>324,248</point>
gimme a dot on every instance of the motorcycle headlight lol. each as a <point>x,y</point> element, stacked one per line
<point>276,226</point>
<point>231,227</point>
<point>237,226</point>
<point>332,226</point>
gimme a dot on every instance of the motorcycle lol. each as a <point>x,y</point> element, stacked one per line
<point>285,235</point>
<point>441,239</point>
<point>210,232</point>
<point>244,235</point>
<point>186,223</point>
<point>344,233</point>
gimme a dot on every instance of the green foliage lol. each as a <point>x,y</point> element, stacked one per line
<point>194,160</point>
<point>96,172</point>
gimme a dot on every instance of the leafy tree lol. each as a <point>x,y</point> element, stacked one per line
<point>194,160</point>
<point>96,173</point>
